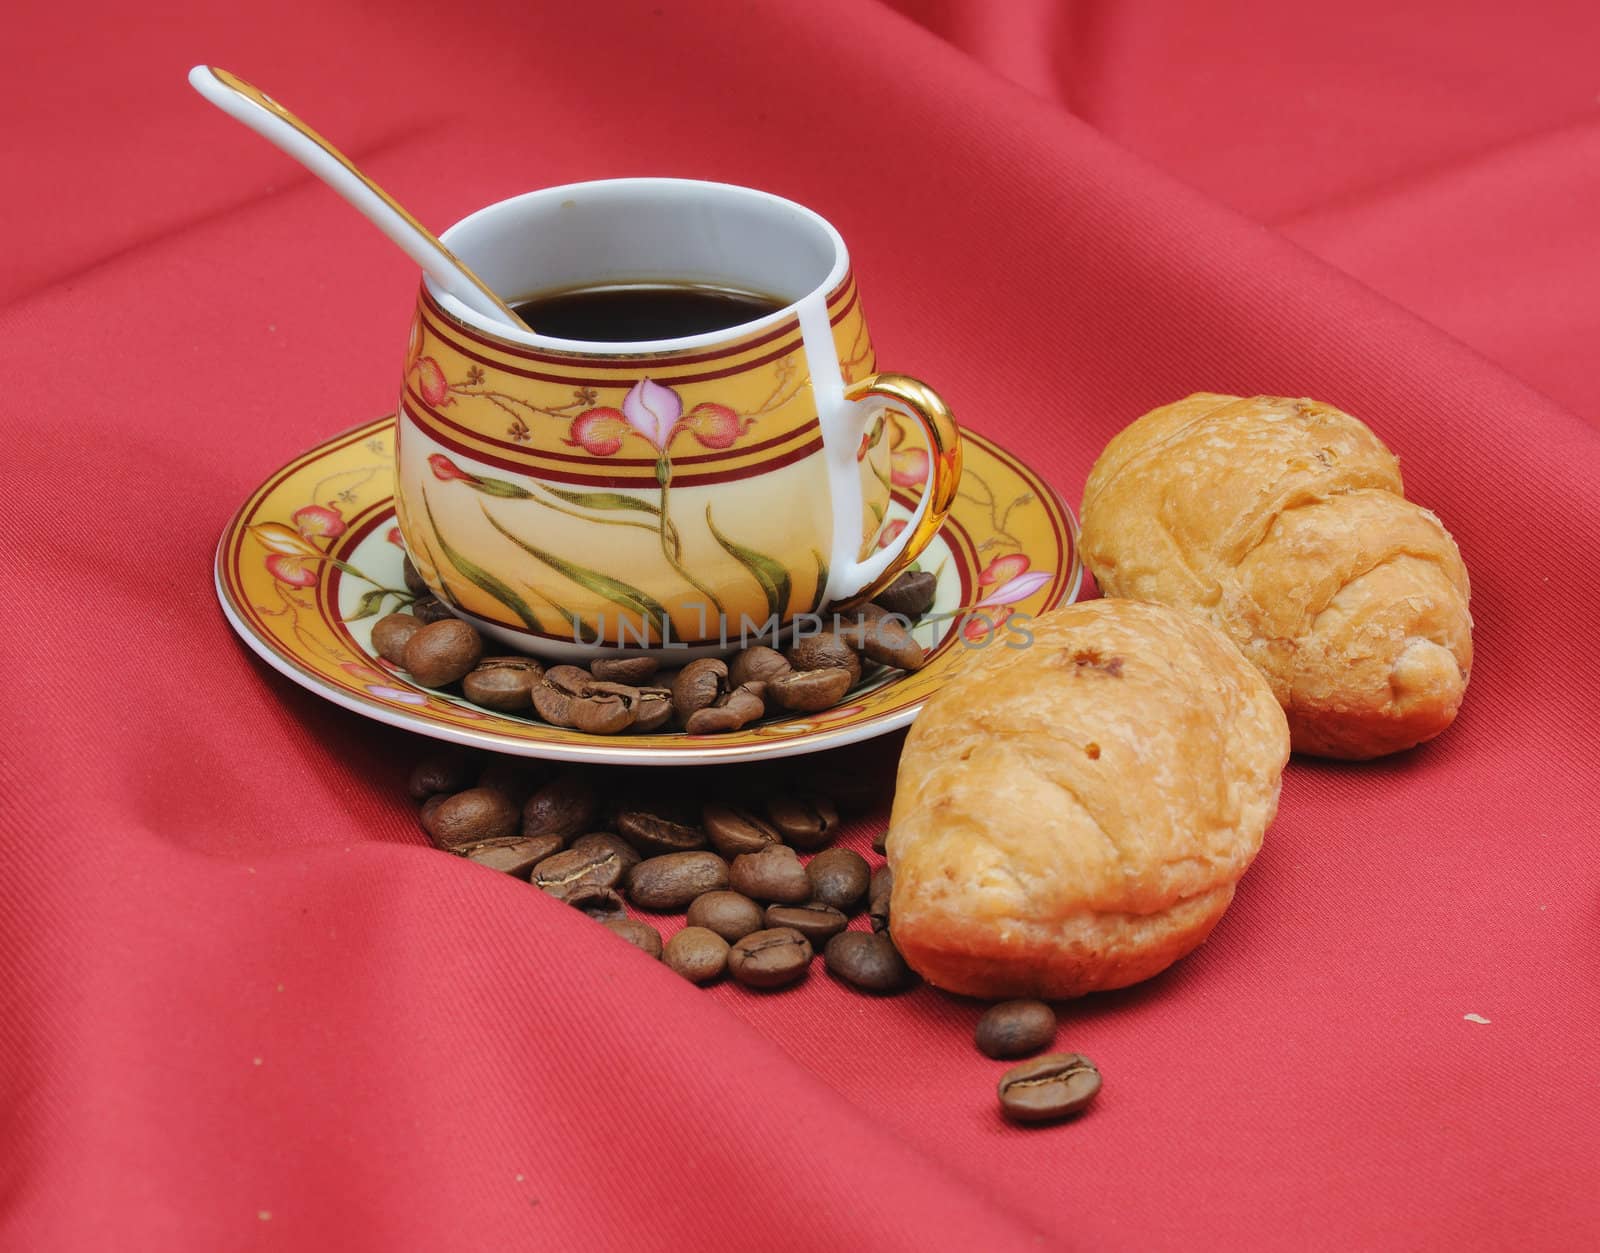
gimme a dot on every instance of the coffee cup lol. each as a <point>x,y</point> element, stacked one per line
<point>572,496</point>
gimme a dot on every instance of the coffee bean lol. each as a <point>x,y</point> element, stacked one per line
<point>627,856</point>
<point>569,697</point>
<point>429,806</point>
<point>630,670</point>
<point>655,708</point>
<point>607,708</point>
<point>639,934</point>
<point>729,712</point>
<point>730,914</point>
<point>910,595</point>
<point>883,637</point>
<point>1048,1088</point>
<point>653,833</point>
<point>697,954</point>
<point>880,842</point>
<point>578,872</point>
<point>414,581</point>
<point>772,875</point>
<point>825,651</point>
<point>565,806</point>
<point>839,877</point>
<point>390,635</point>
<point>470,817</point>
<point>671,881</point>
<point>807,691</point>
<point>807,821</point>
<point>698,685</point>
<point>430,609</point>
<point>734,831</point>
<point>773,958</point>
<point>448,771</point>
<point>504,684</point>
<point>607,906</point>
<point>558,689</point>
<point>757,664</point>
<point>442,652</point>
<point>868,960</point>
<point>515,855</point>
<point>882,887</point>
<point>819,923</point>
<point>1016,1028</point>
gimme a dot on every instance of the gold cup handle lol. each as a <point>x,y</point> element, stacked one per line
<point>923,404</point>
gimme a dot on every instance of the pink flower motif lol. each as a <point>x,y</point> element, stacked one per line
<point>653,411</point>
<point>280,539</point>
<point>365,673</point>
<point>715,426</point>
<point>397,694</point>
<point>1019,588</point>
<point>290,570</point>
<point>908,467</point>
<point>1002,569</point>
<point>838,712</point>
<point>447,471</point>
<point>981,628</point>
<point>318,522</point>
<point>395,538</point>
<point>891,532</point>
<point>598,432</point>
<point>431,383</point>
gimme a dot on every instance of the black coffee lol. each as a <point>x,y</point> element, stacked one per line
<point>628,312</point>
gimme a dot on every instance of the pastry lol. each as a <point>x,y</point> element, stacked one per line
<point>1286,524</point>
<point>1073,815</point>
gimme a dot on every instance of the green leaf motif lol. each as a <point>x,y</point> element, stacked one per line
<point>572,620</point>
<point>603,500</point>
<point>614,590</point>
<point>772,575</point>
<point>822,579</point>
<point>435,564</point>
<point>369,605</point>
<point>480,577</point>
<point>499,487</point>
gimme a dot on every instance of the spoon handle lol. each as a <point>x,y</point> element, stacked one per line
<point>269,119</point>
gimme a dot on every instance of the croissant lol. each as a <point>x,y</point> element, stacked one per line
<point>1074,815</point>
<point>1286,524</point>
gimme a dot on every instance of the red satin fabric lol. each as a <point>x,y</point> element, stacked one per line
<point>246,1007</point>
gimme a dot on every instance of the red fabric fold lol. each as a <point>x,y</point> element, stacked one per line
<point>455,1062</point>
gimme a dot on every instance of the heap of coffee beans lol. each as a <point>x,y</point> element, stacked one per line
<point>754,910</point>
<point>633,694</point>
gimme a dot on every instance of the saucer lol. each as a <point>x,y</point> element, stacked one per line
<point>314,558</point>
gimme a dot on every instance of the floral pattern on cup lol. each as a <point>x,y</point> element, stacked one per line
<point>654,414</point>
<point>650,411</point>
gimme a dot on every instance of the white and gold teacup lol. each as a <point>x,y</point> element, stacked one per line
<point>569,497</point>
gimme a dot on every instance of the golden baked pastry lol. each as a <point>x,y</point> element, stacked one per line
<point>1073,815</point>
<point>1285,522</point>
